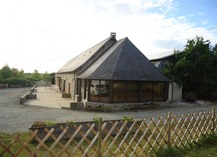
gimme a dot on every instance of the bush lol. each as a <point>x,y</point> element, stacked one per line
<point>17,81</point>
<point>191,97</point>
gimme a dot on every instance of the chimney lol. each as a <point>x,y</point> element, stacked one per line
<point>113,34</point>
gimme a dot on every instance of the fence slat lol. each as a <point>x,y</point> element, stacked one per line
<point>213,120</point>
<point>83,139</point>
<point>69,141</point>
<point>25,144</point>
<point>116,137</point>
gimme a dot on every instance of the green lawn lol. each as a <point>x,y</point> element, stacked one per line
<point>207,148</point>
<point>210,151</point>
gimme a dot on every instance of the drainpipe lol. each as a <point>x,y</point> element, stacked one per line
<point>75,84</point>
<point>172,90</point>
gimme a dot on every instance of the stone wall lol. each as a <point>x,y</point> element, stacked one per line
<point>69,86</point>
<point>42,83</point>
<point>28,95</point>
<point>105,107</point>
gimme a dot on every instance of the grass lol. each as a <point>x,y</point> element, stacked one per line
<point>210,151</point>
<point>10,139</point>
<point>206,146</point>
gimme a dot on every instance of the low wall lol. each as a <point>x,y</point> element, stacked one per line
<point>33,89</point>
<point>66,95</point>
<point>58,129</point>
<point>15,86</point>
<point>1,86</point>
<point>105,107</point>
<point>28,95</point>
<point>76,105</point>
<point>23,98</point>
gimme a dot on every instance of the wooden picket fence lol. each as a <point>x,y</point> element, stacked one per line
<point>113,138</point>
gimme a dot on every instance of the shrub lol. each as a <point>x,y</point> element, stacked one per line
<point>17,81</point>
<point>191,97</point>
<point>129,119</point>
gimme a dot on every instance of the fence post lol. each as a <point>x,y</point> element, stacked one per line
<point>213,120</point>
<point>169,129</point>
<point>99,152</point>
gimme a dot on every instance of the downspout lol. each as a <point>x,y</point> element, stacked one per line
<point>172,91</point>
<point>75,84</point>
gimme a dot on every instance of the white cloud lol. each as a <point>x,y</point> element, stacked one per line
<point>201,13</point>
<point>205,22</point>
<point>45,34</point>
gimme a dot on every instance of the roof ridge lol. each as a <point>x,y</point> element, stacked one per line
<point>71,65</point>
<point>89,49</point>
<point>120,45</point>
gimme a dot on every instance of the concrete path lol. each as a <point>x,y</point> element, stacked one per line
<point>49,97</point>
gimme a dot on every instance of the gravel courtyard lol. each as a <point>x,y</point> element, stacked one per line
<point>17,118</point>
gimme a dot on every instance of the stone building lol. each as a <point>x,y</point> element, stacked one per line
<point>112,72</point>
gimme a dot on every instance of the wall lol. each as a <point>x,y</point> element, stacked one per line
<point>69,86</point>
<point>175,91</point>
<point>42,83</point>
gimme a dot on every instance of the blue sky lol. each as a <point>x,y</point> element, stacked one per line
<point>200,12</point>
<point>45,34</point>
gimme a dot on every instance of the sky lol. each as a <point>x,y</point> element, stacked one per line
<point>45,34</point>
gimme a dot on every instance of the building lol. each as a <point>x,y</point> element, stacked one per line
<point>113,72</point>
<point>175,90</point>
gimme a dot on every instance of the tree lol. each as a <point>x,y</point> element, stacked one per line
<point>21,74</point>
<point>15,72</point>
<point>6,72</point>
<point>46,77</point>
<point>36,76</point>
<point>195,68</point>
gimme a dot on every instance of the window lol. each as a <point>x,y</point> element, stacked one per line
<point>126,91</point>
<point>132,92</point>
<point>118,91</point>
<point>94,90</point>
<point>158,93</point>
<point>146,91</point>
<point>104,91</point>
<point>99,91</point>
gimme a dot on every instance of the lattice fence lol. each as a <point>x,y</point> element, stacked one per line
<point>112,138</point>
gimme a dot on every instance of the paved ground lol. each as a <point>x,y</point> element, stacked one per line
<point>49,97</point>
<point>17,118</point>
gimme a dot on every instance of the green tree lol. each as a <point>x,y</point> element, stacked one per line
<point>36,76</point>
<point>15,72</point>
<point>195,68</point>
<point>47,78</point>
<point>21,74</point>
<point>6,72</point>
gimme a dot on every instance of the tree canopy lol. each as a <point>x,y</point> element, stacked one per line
<point>195,68</point>
<point>13,76</point>
<point>6,72</point>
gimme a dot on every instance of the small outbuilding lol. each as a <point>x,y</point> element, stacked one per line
<point>113,72</point>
